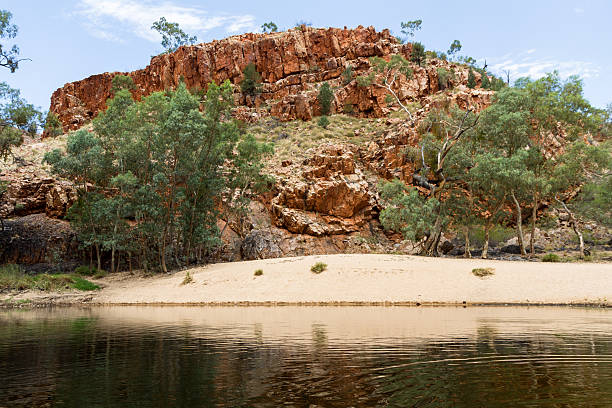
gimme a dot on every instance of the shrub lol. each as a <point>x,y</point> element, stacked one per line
<point>323,122</point>
<point>251,82</point>
<point>100,273</point>
<point>188,279</point>
<point>258,272</point>
<point>318,267</point>
<point>365,80</point>
<point>347,75</point>
<point>483,272</point>
<point>485,82</point>
<point>444,77</point>
<point>551,258</point>
<point>53,126</point>
<point>418,53</point>
<point>348,108</point>
<point>270,27</point>
<point>471,81</point>
<point>325,97</point>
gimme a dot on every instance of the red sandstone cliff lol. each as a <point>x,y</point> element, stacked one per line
<point>291,63</point>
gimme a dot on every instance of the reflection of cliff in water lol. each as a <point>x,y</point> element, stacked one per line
<point>306,356</point>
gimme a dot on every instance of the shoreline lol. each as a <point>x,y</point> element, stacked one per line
<point>349,280</point>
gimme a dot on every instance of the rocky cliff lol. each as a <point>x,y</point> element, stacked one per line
<point>291,63</point>
<point>325,199</point>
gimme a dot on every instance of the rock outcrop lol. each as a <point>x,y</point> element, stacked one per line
<point>292,64</point>
<point>38,239</point>
<point>32,192</point>
<point>329,196</point>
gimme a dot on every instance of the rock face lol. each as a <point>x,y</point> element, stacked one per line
<point>292,64</point>
<point>329,196</point>
<point>37,239</point>
<point>32,193</point>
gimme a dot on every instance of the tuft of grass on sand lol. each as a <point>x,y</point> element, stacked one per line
<point>318,267</point>
<point>551,258</point>
<point>188,279</point>
<point>483,272</point>
<point>12,277</point>
<point>258,272</point>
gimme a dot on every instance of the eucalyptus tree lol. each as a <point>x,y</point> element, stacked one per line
<point>172,35</point>
<point>154,172</point>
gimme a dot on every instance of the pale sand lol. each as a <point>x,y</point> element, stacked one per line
<point>363,279</point>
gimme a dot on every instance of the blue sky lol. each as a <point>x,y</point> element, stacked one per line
<point>68,40</point>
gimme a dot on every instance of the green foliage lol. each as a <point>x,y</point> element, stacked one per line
<point>83,284</point>
<point>325,97</point>
<point>318,267</point>
<point>187,279</point>
<point>444,77</point>
<point>406,211</point>
<point>53,126</point>
<point>121,82</point>
<point>270,27</point>
<point>469,61</point>
<point>12,277</point>
<point>418,53</point>
<point>172,35</point>
<point>251,82</point>
<point>323,122</point>
<point>258,272</point>
<point>454,48</point>
<point>484,81</point>
<point>347,75</point>
<point>471,81</point>
<point>9,55</point>
<point>151,177</point>
<point>410,27</point>
<point>431,54</point>
<point>551,258</point>
<point>365,80</point>
<point>16,118</point>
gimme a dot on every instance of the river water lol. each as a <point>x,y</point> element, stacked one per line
<point>306,357</point>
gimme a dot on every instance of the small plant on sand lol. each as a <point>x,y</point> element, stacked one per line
<point>188,279</point>
<point>551,258</point>
<point>483,272</point>
<point>318,267</point>
<point>258,272</point>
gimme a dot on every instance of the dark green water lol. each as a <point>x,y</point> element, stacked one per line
<point>306,357</point>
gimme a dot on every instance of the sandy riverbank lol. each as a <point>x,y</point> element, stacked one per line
<point>358,279</point>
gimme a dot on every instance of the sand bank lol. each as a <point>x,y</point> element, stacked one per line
<point>367,279</point>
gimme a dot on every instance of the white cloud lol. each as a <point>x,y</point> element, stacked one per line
<point>578,10</point>
<point>527,65</point>
<point>115,19</point>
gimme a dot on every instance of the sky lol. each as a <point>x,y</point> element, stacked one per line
<point>68,40</point>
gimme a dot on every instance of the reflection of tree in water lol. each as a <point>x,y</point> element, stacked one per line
<point>83,362</point>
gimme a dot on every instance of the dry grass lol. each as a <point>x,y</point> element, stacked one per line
<point>292,138</point>
<point>483,272</point>
<point>32,152</point>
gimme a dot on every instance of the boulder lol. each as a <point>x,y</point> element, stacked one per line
<point>259,244</point>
